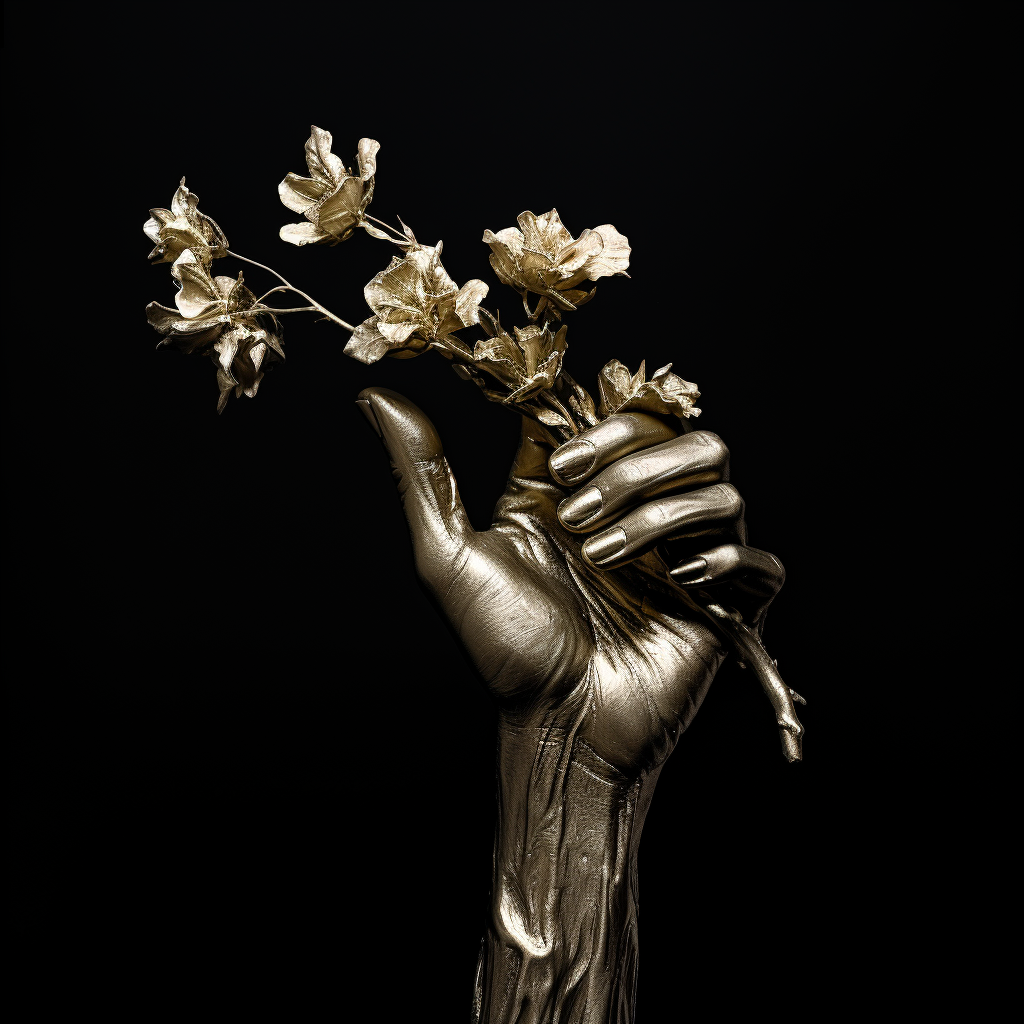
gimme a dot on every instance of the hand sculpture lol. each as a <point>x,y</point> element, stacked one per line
<point>597,663</point>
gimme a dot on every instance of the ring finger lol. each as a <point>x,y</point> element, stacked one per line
<point>715,512</point>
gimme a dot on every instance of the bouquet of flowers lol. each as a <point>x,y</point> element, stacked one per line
<point>416,307</point>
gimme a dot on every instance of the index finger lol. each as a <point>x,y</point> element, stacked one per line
<point>613,438</point>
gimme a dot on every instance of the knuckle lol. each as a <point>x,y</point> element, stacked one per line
<point>718,451</point>
<point>730,501</point>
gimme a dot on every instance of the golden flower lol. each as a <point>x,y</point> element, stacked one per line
<point>414,303</point>
<point>664,394</point>
<point>528,364</point>
<point>332,199</point>
<point>540,256</point>
<point>183,227</point>
<point>218,316</point>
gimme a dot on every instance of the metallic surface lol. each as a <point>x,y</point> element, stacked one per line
<point>597,669</point>
<point>598,606</point>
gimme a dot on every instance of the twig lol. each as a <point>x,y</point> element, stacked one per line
<point>291,287</point>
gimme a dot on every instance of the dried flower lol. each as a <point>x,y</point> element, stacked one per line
<point>542,257</point>
<point>528,364</point>
<point>664,394</point>
<point>415,303</point>
<point>218,316</point>
<point>332,199</point>
<point>239,353</point>
<point>183,227</point>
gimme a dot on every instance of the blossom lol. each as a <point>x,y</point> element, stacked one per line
<point>414,303</point>
<point>542,257</point>
<point>332,199</point>
<point>664,394</point>
<point>183,227</point>
<point>528,364</point>
<point>218,316</point>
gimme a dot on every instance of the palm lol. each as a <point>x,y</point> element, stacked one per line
<point>614,654</point>
<point>553,636</point>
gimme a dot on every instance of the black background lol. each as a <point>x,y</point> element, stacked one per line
<point>252,766</point>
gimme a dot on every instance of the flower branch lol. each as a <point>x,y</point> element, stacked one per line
<point>417,307</point>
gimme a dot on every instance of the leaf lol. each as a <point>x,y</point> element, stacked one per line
<point>580,402</point>
<point>375,232</point>
<point>407,231</point>
<point>551,419</point>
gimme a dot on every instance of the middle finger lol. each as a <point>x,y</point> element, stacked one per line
<point>697,459</point>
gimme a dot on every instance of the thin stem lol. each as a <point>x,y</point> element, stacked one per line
<point>384,224</point>
<point>279,288</point>
<point>273,309</point>
<point>291,287</point>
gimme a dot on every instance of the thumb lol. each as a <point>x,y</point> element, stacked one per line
<point>430,498</point>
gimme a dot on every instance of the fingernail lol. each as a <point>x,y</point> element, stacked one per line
<point>605,546</point>
<point>367,410</point>
<point>573,460</point>
<point>690,571</point>
<point>576,510</point>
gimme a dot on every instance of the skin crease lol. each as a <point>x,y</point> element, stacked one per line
<point>596,673</point>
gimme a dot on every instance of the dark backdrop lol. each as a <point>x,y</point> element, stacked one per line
<point>265,764</point>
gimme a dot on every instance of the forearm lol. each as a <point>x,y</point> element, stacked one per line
<point>562,932</point>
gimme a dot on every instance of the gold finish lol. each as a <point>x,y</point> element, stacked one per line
<point>600,603</point>
<point>332,199</point>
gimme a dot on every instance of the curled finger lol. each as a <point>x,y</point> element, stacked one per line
<point>713,511</point>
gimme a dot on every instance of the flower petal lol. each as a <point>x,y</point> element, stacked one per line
<point>401,287</point>
<point>304,233</point>
<point>170,321</point>
<point>396,334</point>
<point>152,227</point>
<point>366,158</point>
<point>321,161</point>
<point>366,344</point>
<point>197,296</point>
<point>227,348</point>
<point>340,211</point>
<point>184,202</point>
<point>613,258</point>
<point>299,194</point>
<point>467,301</point>
<point>251,392</point>
<point>545,233</point>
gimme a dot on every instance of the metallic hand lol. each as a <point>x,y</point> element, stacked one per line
<point>598,663</point>
<point>563,604</point>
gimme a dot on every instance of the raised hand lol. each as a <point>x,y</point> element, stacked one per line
<point>566,590</point>
<point>597,662</point>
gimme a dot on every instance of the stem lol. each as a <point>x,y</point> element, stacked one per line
<point>274,309</point>
<point>384,224</point>
<point>746,644</point>
<point>291,287</point>
<point>279,288</point>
